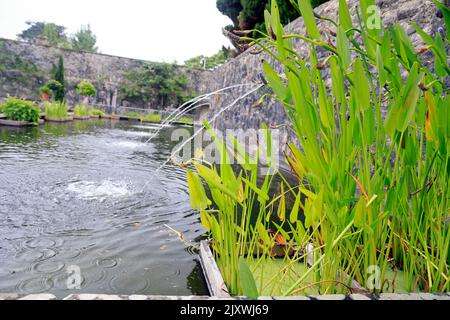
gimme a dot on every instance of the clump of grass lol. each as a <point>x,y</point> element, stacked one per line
<point>152,117</point>
<point>186,120</point>
<point>133,114</point>
<point>97,112</point>
<point>56,109</point>
<point>81,110</point>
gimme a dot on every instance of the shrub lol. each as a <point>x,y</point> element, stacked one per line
<point>20,110</point>
<point>86,89</point>
<point>56,110</point>
<point>58,75</point>
<point>54,85</point>
<point>81,110</point>
<point>161,84</point>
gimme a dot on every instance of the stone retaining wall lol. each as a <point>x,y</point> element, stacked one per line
<point>247,67</point>
<point>104,71</point>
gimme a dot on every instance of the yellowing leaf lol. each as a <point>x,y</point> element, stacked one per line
<point>282,205</point>
<point>431,117</point>
<point>204,219</point>
<point>198,197</point>
<point>293,217</point>
<point>263,233</point>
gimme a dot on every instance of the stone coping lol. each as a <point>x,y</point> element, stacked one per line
<point>356,297</point>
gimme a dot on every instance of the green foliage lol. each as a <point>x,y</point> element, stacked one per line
<point>20,110</point>
<point>56,110</point>
<point>229,209</point>
<point>97,112</point>
<point>58,75</point>
<point>45,89</point>
<point>230,8</point>
<point>84,40</point>
<point>85,88</point>
<point>161,83</point>
<point>247,280</point>
<point>376,187</point>
<point>186,120</point>
<point>372,195</point>
<point>203,62</point>
<point>81,110</point>
<point>50,34</point>
<point>152,117</point>
<point>25,71</point>
<point>133,114</point>
<point>249,14</point>
<point>53,85</point>
<point>55,35</point>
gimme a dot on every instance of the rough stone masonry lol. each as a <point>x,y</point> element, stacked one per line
<point>247,67</point>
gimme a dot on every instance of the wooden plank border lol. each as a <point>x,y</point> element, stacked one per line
<point>213,277</point>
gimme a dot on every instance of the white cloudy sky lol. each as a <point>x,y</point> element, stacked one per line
<point>157,30</point>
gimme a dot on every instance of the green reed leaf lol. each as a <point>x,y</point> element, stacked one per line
<point>308,17</point>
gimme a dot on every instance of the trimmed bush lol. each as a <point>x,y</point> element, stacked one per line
<point>20,110</point>
<point>86,89</point>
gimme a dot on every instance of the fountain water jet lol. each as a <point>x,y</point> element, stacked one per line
<point>179,112</point>
<point>203,127</point>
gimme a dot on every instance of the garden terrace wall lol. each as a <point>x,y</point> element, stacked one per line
<point>24,67</point>
<point>247,67</point>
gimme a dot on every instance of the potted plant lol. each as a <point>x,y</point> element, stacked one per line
<point>19,113</point>
<point>53,85</point>
<point>45,92</point>
<point>86,89</point>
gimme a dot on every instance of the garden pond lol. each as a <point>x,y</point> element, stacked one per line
<point>84,196</point>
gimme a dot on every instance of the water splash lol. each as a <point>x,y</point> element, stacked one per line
<point>128,144</point>
<point>89,190</point>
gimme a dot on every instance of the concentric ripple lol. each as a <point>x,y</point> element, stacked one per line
<point>86,196</point>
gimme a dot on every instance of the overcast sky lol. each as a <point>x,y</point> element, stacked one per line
<point>156,30</point>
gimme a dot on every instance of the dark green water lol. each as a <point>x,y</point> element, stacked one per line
<point>72,195</point>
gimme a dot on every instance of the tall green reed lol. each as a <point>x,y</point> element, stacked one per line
<point>371,157</point>
<point>56,109</point>
<point>376,187</point>
<point>81,110</point>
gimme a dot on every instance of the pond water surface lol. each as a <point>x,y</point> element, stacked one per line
<point>72,197</point>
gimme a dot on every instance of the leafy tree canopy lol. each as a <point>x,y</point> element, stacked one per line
<point>84,40</point>
<point>86,89</point>
<point>230,8</point>
<point>249,14</point>
<point>158,82</point>
<point>51,34</point>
